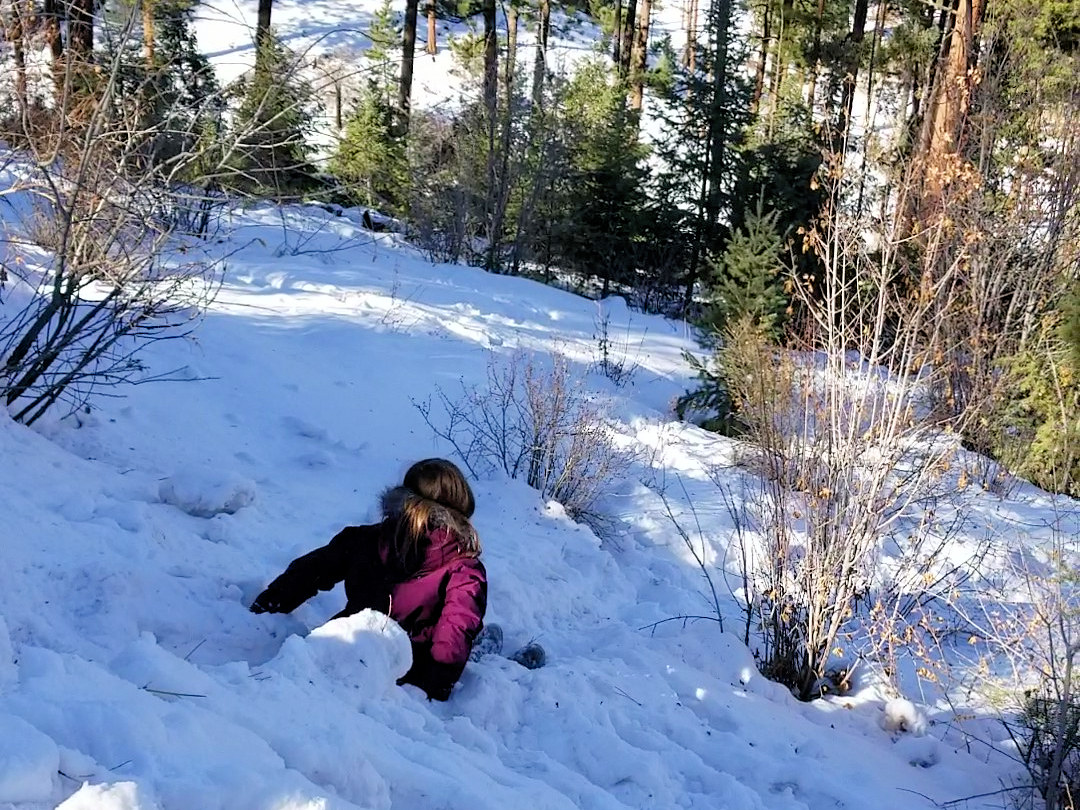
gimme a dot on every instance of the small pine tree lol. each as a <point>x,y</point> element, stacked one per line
<point>385,36</point>
<point>272,124</point>
<point>746,276</point>
<point>370,157</point>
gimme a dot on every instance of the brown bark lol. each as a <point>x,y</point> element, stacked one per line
<point>148,32</point>
<point>491,107</point>
<point>262,23</point>
<point>543,32</point>
<point>408,54</point>
<point>858,34</point>
<point>640,57</point>
<point>14,32</point>
<point>53,33</point>
<point>432,35</point>
<point>763,58</point>
<point>616,54</point>
<point>815,58</point>
<point>942,134</point>
<point>81,29</point>
<point>695,10</point>
<point>629,21</point>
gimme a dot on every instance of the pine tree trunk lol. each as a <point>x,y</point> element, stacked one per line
<point>491,108</point>
<point>879,29</point>
<point>815,58</point>
<point>543,31</point>
<point>432,35</point>
<point>14,32</point>
<point>408,53</point>
<point>148,32</point>
<point>262,24</point>
<point>53,33</point>
<point>616,53</point>
<point>942,135</point>
<point>629,22</point>
<point>502,196</point>
<point>858,33</point>
<point>717,142</point>
<point>640,56</point>
<point>262,34</point>
<point>81,29</point>
<point>763,58</point>
<point>695,10</point>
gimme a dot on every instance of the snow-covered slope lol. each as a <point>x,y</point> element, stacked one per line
<point>132,676</point>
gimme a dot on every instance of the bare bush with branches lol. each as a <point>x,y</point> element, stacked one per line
<point>112,178</point>
<point>845,446</point>
<point>1023,634</point>
<point>534,420</point>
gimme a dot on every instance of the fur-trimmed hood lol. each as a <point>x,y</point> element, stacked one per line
<point>448,531</point>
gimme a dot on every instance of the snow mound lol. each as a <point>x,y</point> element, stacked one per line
<point>28,762</point>
<point>118,796</point>
<point>204,494</point>
<point>367,649</point>
<point>900,715</point>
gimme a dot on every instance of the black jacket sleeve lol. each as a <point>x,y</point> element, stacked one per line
<point>318,570</point>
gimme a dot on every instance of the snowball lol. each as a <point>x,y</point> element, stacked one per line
<point>118,796</point>
<point>204,493</point>
<point>28,762</point>
<point>901,715</point>
<point>367,649</point>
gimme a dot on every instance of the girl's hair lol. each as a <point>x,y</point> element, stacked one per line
<point>438,495</point>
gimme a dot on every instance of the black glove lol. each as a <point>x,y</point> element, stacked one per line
<point>266,602</point>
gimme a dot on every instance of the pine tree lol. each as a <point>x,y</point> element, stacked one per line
<point>371,156</point>
<point>271,125</point>
<point>746,277</point>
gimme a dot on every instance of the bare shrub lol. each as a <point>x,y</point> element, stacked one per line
<point>95,273</point>
<point>846,447</point>
<point>533,420</point>
<point>613,355</point>
<point>1024,635</point>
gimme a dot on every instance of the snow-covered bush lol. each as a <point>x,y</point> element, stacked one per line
<point>533,420</point>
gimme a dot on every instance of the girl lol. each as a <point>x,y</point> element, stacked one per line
<point>420,565</point>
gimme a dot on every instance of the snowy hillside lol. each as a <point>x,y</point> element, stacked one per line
<point>133,677</point>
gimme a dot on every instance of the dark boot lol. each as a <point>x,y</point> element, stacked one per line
<point>488,642</point>
<point>531,656</point>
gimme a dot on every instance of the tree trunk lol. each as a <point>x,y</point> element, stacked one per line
<point>408,52</point>
<point>543,31</point>
<point>629,20</point>
<point>942,134</point>
<point>616,36</point>
<point>879,29</point>
<point>53,33</point>
<point>491,107</point>
<point>14,32</point>
<point>148,32</point>
<point>640,56</point>
<point>763,58</point>
<point>815,58</point>
<point>81,29</point>
<point>716,137</point>
<point>502,196</point>
<point>262,34</point>
<point>695,10</point>
<point>858,32</point>
<point>432,35</point>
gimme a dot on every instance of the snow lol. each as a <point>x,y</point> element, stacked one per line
<point>133,677</point>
